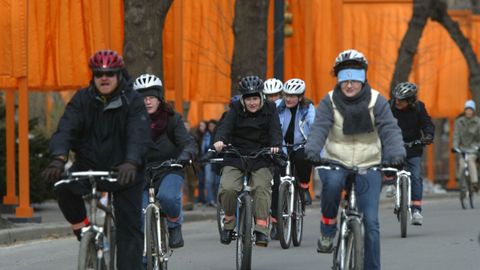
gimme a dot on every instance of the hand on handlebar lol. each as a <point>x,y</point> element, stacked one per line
<point>274,150</point>
<point>127,172</point>
<point>218,146</point>
<point>314,157</point>
<point>53,170</point>
<point>427,140</point>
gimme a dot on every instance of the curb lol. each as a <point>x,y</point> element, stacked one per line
<point>29,231</point>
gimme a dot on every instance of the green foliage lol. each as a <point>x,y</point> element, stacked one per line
<point>39,189</point>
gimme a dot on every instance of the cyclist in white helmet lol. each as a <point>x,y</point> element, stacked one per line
<point>170,141</point>
<point>296,114</point>
<point>272,89</point>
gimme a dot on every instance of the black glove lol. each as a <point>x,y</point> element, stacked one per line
<point>53,170</point>
<point>427,140</point>
<point>314,157</point>
<point>396,163</point>
<point>126,173</point>
<point>209,155</point>
<point>183,162</point>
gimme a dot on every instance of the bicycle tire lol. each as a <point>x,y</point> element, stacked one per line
<point>298,213</point>
<point>463,191</point>
<point>354,245</point>
<point>165,248</point>
<point>471,195</point>
<point>110,232</point>
<point>284,214</point>
<point>244,235</point>
<point>403,207</point>
<point>152,248</point>
<point>87,256</point>
<point>220,219</point>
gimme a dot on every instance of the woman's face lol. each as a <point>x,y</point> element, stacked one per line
<point>252,103</point>
<point>202,127</point>
<point>151,103</point>
<point>350,88</point>
<point>211,126</point>
<point>292,100</point>
<point>469,113</point>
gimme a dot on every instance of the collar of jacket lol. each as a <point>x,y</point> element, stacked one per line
<point>115,99</point>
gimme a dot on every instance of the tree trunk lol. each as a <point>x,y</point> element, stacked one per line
<point>250,40</point>
<point>408,47</point>
<point>143,45</point>
<point>441,16</point>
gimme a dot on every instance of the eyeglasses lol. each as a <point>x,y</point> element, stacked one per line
<point>99,74</point>
<point>354,83</point>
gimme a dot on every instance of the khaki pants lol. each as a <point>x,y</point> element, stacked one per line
<point>472,166</point>
<point>231,183</point>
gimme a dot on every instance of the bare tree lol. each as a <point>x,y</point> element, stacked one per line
<point>143,47</point>
<point>437,11</point>
<point>250,40</point>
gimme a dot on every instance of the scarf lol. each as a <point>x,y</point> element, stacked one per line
<point>356,116</point>
<point>158,124</point>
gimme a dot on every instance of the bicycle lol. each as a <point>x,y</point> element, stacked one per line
<point>97,245</point>
<point>466,187</point>
<point>403,198</point>
<point>244,227</point>
<point>156,248</point>
<point>349,250</point>
<point>291,205</point>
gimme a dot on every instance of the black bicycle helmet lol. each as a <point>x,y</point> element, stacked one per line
<point>405,90</point>
<point>250,85</point>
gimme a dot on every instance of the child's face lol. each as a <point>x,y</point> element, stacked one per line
<point>252,103</point>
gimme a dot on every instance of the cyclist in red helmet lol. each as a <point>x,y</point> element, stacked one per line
<point>104,125</point>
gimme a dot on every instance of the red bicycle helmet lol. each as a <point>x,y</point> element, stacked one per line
<point>106,60</point>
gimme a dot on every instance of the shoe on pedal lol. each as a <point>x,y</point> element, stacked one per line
<point>226,237</point>
<point>390,191</point>
<point>175,238</point>
<point>325,244</point>
<point>417,218</point>
<point>261,239</point>
<point>274,232</point>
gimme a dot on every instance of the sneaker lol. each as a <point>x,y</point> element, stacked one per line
<point>390,191</point>
<point>226,237</point>
<point>261,239</point>
<point>417,218</point>
<point>308,198</point>
<point>274,232</point>
<point>325,244</point>
<point>175,238</point>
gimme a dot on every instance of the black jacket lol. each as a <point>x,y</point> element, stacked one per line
<point>174,143</point>
<point>103,134</point>
<point>413,122</point>
<point>250,131</point>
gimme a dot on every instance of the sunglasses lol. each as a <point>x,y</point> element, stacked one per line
<point>99,74</point>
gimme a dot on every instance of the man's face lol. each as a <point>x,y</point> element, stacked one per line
<point>401,104</point>
<point>350,88</point>
<point>105,81</point>
<point>252,103</point>
<point>273,97</point>
<point>151,103</point>
<point>469,113</point>
<point>291,100</point>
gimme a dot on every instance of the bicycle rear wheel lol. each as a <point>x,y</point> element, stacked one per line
<point>471,195</point>
<point>354,253</point>
<point>403,213</point>
<point>284,214</point>
<point>298,213</point>
<point>87,256</point>
<point>244,235</point>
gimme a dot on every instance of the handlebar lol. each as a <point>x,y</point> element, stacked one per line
<point>413,143</point>
<point>108,176</point>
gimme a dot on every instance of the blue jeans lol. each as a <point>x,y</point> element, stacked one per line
<point>368,188</point>
<point>169,195</point>
<point>414,167</point>
<point>209,182</point>
<point>201,186</point>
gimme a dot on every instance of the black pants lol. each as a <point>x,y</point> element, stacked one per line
<point>127,202</point>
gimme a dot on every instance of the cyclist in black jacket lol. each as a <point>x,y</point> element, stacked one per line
<point>105,124</point>
<point>416,125</point>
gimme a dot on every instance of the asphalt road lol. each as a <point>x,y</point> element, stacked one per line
<point>447,240</point>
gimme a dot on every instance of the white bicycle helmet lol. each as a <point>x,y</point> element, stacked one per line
<point>294,87</point>
<point>147,81</point>
<point>272,86</point>
<point>349,57</point>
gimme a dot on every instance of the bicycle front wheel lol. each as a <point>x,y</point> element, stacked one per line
<point>110,234</point>
<point>354,253</point>
<point>244,235</point>
<point>403,207</point>
<point>152,230</point>
<point>284,214</point>
<point>471,195</point>
<point>87,256</point>
<point>298,213</point>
